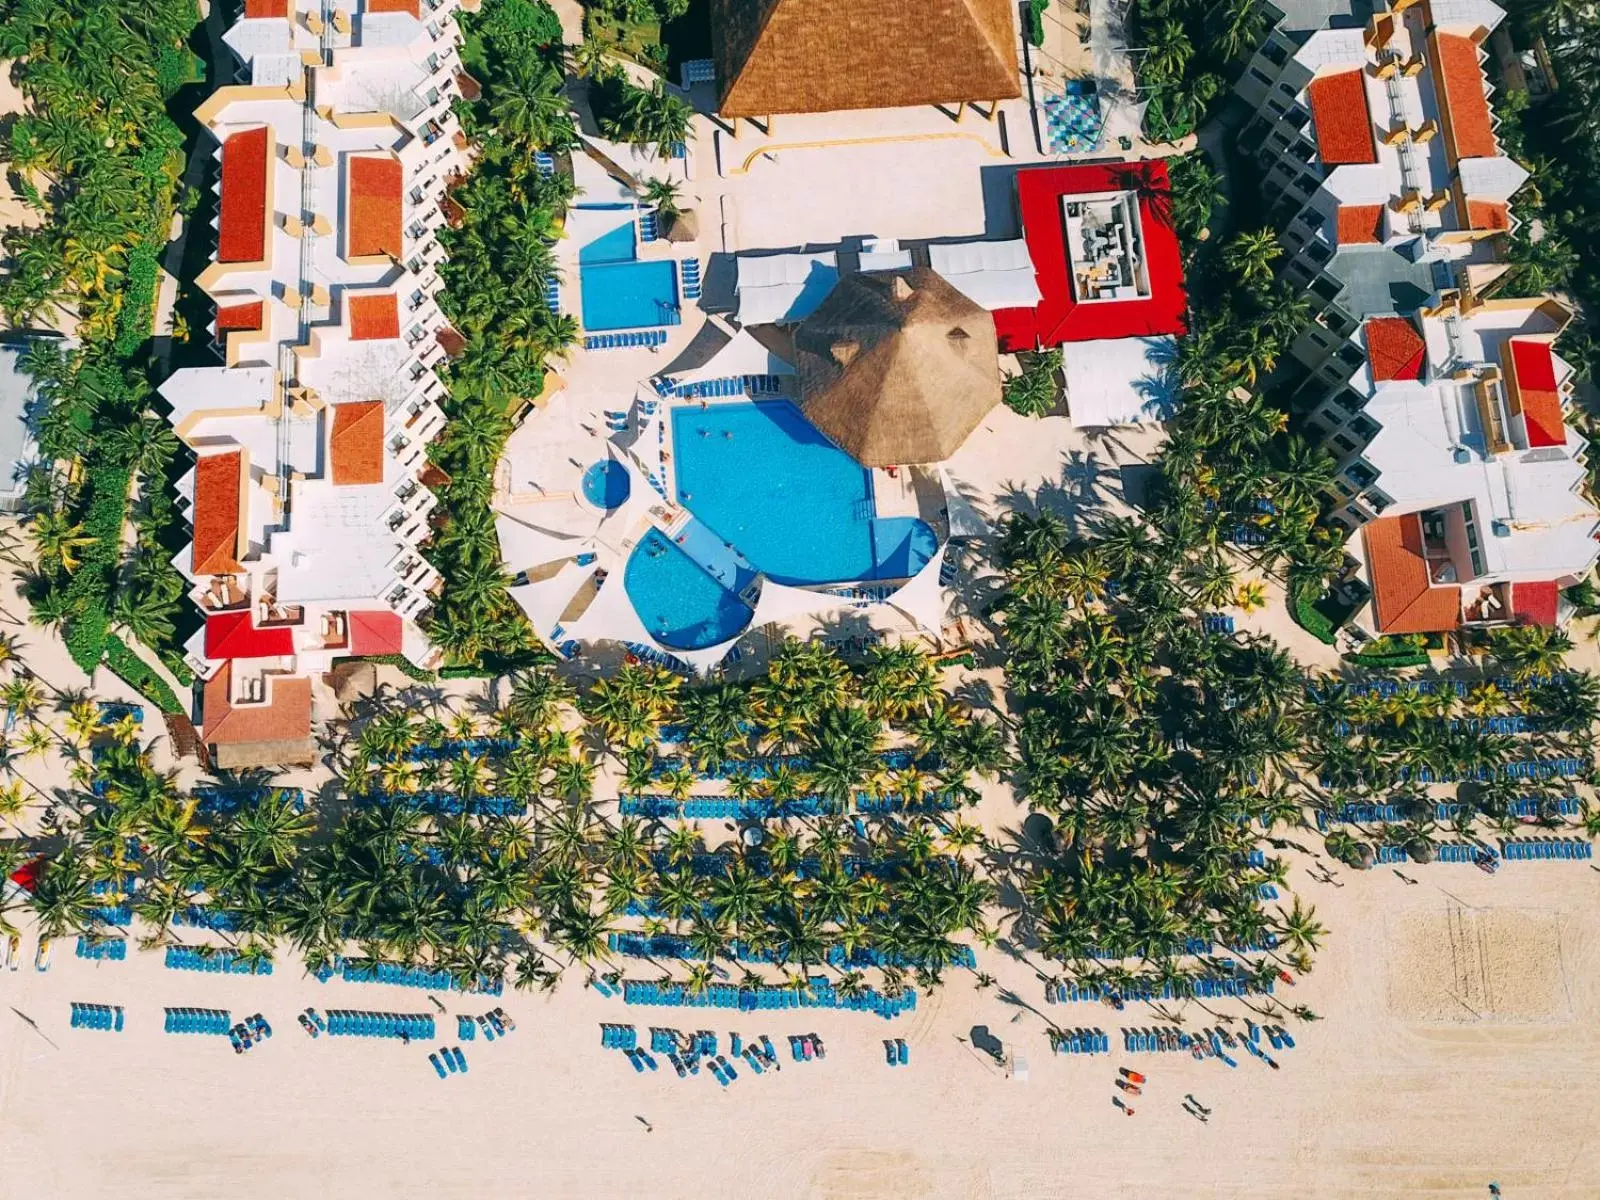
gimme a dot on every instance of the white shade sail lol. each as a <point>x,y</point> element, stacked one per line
<point>992,275</point>
<point>784,287</point>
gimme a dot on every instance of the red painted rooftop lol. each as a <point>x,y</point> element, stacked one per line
<point>232,635</point>
<point>1533,377</point>
<point>1340,119</point>
<point>1404,599</point>
<point>1360,224</point>
<point>374,317</point>
<point>1535,603</point>
<point>376,632</point>
<point>242,215</point>
<point>234,317</point>
<point>401,6</point>
<point>266,8</point>
<point>218,501</point>
<point>1059,317</point>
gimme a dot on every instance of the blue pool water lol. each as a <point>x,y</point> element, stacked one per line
<point>605,484</point>
<point>679,603</point>
<point>794,504</point>
<point>618,291</point>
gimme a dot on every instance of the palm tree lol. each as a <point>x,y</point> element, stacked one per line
<point>662,195</point>
<point>1167,53</point>
<point>1250,254</point>
<point>57,538</point>
<point>530,105</point>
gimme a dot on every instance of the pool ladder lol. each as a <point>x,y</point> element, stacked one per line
<point>861,509</point>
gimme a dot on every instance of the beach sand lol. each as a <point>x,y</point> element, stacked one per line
<point>1458,1046</point>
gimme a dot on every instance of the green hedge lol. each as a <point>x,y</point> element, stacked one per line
<point>89,591</point>
<point>1303,595</point>
<point>1033,21</point>
<point>138,300</point>
<point>137,673</point>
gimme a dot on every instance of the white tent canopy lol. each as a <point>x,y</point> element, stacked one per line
<point>545,601</point>
<point>786,288</point>
<point>923,599</point>
<point>1120,381</point>
<point>524,544</point>
<point>780,603</point>
<point>965,520</point>
<point>990,274</point>
<point>743,355</point>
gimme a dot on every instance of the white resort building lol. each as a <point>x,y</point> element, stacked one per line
<point>308,501</point>
<point>1443,403</point>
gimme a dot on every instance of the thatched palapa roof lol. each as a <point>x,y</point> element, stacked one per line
<point>808,56</point>
<point>897,368</point>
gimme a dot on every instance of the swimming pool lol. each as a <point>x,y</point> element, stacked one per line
<point>794,504</point>
<point>679,603</point>
<point>620,292</point>
<point>605,484</point>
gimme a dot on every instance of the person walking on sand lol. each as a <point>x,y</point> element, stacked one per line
<point>1189,1096</point>
<point>648,1128</point>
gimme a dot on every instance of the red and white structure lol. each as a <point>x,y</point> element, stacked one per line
<point>308,501</point>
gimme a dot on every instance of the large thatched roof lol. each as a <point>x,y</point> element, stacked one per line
<point>802,56</point>
<point>897,368</point>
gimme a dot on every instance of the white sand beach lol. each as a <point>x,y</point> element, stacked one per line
<point>1458,1045</point>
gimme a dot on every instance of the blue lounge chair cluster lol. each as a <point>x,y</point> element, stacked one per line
<point>224,801</point>
<point>495,1023</point>
<point>1501,725</point>
<point>220,962</point>
<point>819,994</point>
<point>618,1037</point>
<point>486,747</point>
<point>806,1047</point>
<point>690,268</point>
<point>1390,687</point>
<point>450,804</point>
<point>365,971</point>
<point>656,658</point>
<point>1463,852</point>
<point>1156,1039</point>
<point>1216,623</point>
<point>1247,535</point>
<point>552,294</point>
<point>617,420</point>
<point>111,712</point>
<point>607,988</point>
<point>250,1032</point>
<point>1531,768</point>
<point>197,1020</point>
<point>113,914</point>
<point>763,766</point>
<point>1148,988</point>
<point>203,916</point>
<point>1081,1041</point>
<point>103,949</point>
<point>349,1022</point>
<point>312,1022</point>
<point>447,1061</point>
<point>697,70</point>
<point>867,956</point>
<point>1528,849</point>
<point>1389,855</point>
<point>544,162</point>
<point>104,1017</point>
<point>650,338</point>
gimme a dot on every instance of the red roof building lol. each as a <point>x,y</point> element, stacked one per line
<point>242,210</point>
<point>356,446</point>
<point>374,317</point>
<point>1340,120</point>
<point>258,9</point>
<point>1463,101</point>
<point>1535,603</point>
<point>237,318</point>
<point>218,513</point>
<point>1530,370</point>
<point>1404,598</point>
<point>233,635</point>
<point>413,7</point>
<point>1360,224</point>
<point>375,207</point>
<point>1395,349</point>
<point>285,715</point>
<point>1059,317</point>
<point>376,632</point>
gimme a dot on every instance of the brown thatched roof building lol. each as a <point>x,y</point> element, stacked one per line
<point>807,56</point>
<point>897,368</point>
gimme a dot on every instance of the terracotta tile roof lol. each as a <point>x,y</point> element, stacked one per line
<point>1395,349</point>
<point>285,717</point>
<point>374,317</point>
<point>1488,214</point>
<point>1404,599</point>
<point>233,317</point>
<point>414,7</point>
<point>356,449</point>
<point>1531,371</point>
<point>1340,120</point>
<point>266,8</point>
<point>233,635</point>
<point>242,210</point>
<point>1535,603</point>
<point>375,207</point>
<point>376,632</point>
<point>1462,99</point>
<point>218,507</point>
<point>1360,224</point>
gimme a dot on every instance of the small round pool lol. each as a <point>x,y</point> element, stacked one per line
<point>605,484</point>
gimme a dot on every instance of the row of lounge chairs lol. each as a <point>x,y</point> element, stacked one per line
<point>104,1017</point>
<point>103,949</point>
<point>219,962</point>
<point>1201,986</point>
<point>1081,1041</point>
<point>647,338</point>
<point>618,1037</point>
<point>1546,848</point>
<point>353,1023</point>
<point>1461,687</point>
<point>820,994</point>
<point>197,1020</point>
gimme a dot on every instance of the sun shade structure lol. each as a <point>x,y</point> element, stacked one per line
<point>897,368</point>
<point>815,56</point>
